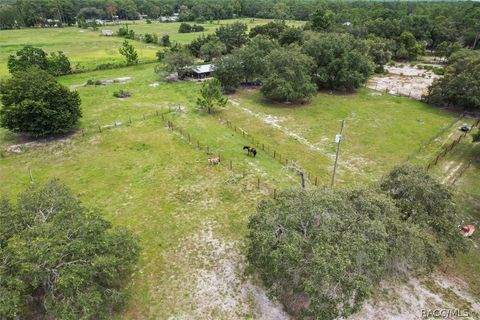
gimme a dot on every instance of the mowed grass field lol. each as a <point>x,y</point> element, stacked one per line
<point>89,48</point>
<point>191,218</point>
<point>380,130</point>
<point>85,47</point>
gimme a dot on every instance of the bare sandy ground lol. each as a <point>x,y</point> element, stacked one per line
<point>404,81</point>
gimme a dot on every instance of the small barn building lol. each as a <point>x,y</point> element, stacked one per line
<point>202,71</point>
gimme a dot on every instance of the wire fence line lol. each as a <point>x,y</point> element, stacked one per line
<point>439,133</point>
<point>230,164</point>
<point>450,147</point>
<point>271,151</point>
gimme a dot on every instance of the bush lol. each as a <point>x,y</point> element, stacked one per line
<point>165,41</point>
<point>34,103</point>
<point>121,94</point>
<point>57,63</point>
<point>91,82</point>
<point>148,21</point>
<point>128,51</point>
<point>185,28</point>
<point>109,65</point>
<point>150,38</point>
<point>60,260</point>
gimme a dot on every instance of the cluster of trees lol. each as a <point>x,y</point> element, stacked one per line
<point>460,85</point>
<point>33,102</point>
<point>60,260</point>
<point>292,63</point>
<point>57,63</point>
<point>321,252</point>
<point>430,23</point>
<point>187,28</point>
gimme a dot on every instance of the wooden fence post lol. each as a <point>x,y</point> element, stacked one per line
<point>258,183</point>
<point>274,154</point>
<point>316,181</point>
<point>231,165</point>
<point>274,193</point>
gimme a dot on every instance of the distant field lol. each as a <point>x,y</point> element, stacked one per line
<point>171,28</point>
<point>85,47</point>
<point>89,49</point>
<point>191,218</point>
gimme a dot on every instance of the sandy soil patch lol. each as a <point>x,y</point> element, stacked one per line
<point>405,81</point>
<point>400,301</point>
<point>216,283</point>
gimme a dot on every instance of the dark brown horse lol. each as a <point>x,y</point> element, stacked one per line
<point>250,150</point>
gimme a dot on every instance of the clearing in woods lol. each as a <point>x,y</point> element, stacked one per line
<point>192,217</point>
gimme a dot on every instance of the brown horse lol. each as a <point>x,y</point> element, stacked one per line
<point>250,150</point>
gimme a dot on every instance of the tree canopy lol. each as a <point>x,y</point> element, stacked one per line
<point>287,77</point>
<point>323,251</point>
<point>211,96</point>
<point>59,259</point>
<point>34,103</point>
<point>460,85</point>
<point>340,61</point>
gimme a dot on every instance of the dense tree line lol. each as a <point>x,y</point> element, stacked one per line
<point>323,251</point>
<point>430,22</point>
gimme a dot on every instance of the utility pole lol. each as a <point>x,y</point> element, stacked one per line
<point>338,140</point>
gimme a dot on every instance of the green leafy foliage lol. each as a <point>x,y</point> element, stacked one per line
<point>323,251</point>
<point>232,35</point>
<point>59,259</point>
<point>212,49</point>
<point>229,72</point>
<point>34,103</point>
<point>288,75</point>
<point>57,63</point>
<point>211,96</point>
<point>179,61</point>
<point>461,84</point>
<point>425,202</point>
<point>340,61</point>
<point>128,51</point>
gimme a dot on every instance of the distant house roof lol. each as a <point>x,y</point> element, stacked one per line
<point>203,68</point>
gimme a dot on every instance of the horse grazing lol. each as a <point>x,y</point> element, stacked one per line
<point>250,150</point>
<point>214,161</point>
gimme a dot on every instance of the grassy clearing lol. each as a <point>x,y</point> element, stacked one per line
<point>171,28</point>
<point>381,130</point>
<point>83,47</point>
<point>147,179</point>
<point>89,49</point>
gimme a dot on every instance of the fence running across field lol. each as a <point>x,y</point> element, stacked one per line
<point>449,147</point>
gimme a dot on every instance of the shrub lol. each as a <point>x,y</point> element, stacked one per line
<point>92,82</point>
<point>121,94</point>
<point>165,41</point>
<point>34,103</point>
<point>128,51</point>
<point>185,28</point>
<point>57,63</point>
